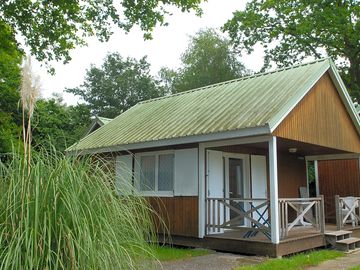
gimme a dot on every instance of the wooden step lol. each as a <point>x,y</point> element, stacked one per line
<point>333,236</point>
<point>348,244</point>
<point>337,233</point>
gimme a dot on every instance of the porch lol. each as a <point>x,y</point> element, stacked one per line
<point>302,226</point>
<point>259,199</point>
<point>248,228</point>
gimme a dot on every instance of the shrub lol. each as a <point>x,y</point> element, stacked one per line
<point>63,214</point>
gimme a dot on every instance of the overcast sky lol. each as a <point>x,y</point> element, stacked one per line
<point>163,50</point>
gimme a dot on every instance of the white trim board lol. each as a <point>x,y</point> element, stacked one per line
<point>332,157</point>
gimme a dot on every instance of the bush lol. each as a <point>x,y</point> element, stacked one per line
<point>64,214</point>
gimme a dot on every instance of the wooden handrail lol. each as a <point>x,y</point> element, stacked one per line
<point>253,211</point>
<point>309,212</point>
<point>239,199</point>
<point>347,213</point>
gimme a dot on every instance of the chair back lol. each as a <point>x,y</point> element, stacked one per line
<point>350,201</point>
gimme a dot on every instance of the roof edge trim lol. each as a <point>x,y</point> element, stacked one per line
<point>245,132</point>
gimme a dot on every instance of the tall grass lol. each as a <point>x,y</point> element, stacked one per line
<point>63,214</point>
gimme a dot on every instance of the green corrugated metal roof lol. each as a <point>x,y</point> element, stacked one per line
<point>104,120</point>
<point>252,101</point>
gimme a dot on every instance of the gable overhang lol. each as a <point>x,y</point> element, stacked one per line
<point>245,132</point>
<point>340,87</point>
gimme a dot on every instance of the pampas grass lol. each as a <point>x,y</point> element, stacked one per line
<point>29,92</point>
<point>59,212</point>
<point>65,215</point>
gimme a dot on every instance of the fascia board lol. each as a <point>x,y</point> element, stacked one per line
<point>246,132</point>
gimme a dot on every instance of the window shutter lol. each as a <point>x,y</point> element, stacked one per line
<point>186,172</point>
<point>123,180</point>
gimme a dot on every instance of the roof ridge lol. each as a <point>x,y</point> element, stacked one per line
<point>255,75</point>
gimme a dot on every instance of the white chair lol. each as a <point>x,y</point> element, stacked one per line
<point>348,211</point>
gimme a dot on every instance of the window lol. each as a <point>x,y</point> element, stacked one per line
<point>156,173</point>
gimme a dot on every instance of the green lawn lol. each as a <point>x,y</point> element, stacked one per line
<point>166,253</point>
<point>295,262</point>
<point>355,268</point>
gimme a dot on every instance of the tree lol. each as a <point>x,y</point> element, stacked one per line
<point>57,125</point>
<point>208,59</point>
<point>117,85</point>
<point>292,30</point>
<point>52,28</point>
<point>10,76</point>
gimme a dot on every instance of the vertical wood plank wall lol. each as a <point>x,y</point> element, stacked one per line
<point>321,118</point>
<point>180,215</point>
<point>338,177</point>
<point>291,174</point>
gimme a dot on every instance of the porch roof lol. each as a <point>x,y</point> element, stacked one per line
<point>257,101</point>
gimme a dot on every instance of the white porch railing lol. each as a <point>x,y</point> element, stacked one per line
<point>238,214</point>
<point>347,211</point>
<point>305,212</point>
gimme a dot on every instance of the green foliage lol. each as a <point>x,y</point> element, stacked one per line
<point>10,74</point>
<point>64,214</point>
<point>164,253</point>
<point>291,30</point>
<point>117,85</point>
<point>208,59</point>
<point>52,28</point>
<point>300,261</point>
<point>57,125</point>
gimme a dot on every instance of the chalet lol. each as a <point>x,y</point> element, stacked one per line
<point>226,165</point>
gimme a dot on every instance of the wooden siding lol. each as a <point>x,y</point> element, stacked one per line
<point>321,118</point>
<point>338,177</point>
<point>180,215</point>
<point>291,175</point>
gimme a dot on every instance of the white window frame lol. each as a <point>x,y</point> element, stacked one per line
<point>156,192</point>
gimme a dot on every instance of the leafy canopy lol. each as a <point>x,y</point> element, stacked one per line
<point>292,30</point>
<point>208,59</point>
<point>117,85</point>
<point>57,125</point>
<point>52,28</point>
<point>10,74</point>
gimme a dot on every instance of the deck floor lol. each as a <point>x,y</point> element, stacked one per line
<point>299,239</point>
<point>297,233</point>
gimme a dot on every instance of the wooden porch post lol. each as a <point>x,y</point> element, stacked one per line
<point>274,197</point>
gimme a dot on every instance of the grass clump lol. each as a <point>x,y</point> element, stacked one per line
<point>165,253</point>
<point>299,261</point>
<point>63,214</point>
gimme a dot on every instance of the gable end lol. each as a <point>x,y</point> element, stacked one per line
<point>321,118</point>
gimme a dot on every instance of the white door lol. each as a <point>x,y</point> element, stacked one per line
<point>215,186</point>
<point>259,185</point>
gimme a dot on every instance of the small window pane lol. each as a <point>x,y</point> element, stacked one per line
<point>166,172</point>
<point>147,174</point>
